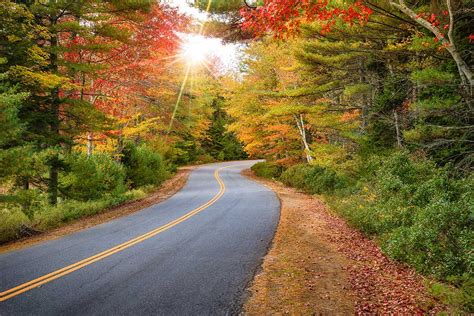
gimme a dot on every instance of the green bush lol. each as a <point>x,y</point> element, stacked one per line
<point>295,176</point>
<point>461,297</point>
<point>90,178</point>
<point>11,220</point>
<point>267,170</point>
<point>312,178</point>
<point>143,166</point>
<point>420,214</point>
<point>322,180</point>
<point>438,237</point>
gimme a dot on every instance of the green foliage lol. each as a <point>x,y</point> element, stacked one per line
<point>421,215</point>
<point>11,144</point>
<point>89,186</point>
<point>185,152</point>
<point>295,176</point>
<point>267,170</point>
<point>11,221</point>
<point>313,179</point>
<point>44,216</point>
<point>143,165</point>
<point>431,76</point>
<point>54,216</point>
<point>90,178</point>
<point>10,102</point>
<point>220,143</point>
<point>356,89</point>
<point>462,295</point>
<point>323,180</point>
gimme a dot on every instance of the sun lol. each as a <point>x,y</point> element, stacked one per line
<point>195,50</point>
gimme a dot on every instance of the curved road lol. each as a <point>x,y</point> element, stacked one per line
<point>193,254</point>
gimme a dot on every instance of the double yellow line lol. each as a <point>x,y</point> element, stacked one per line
<point>22,288</point>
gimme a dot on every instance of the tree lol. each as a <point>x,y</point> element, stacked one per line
<point>62,43</point>
<point>282,17</point>
<point>218,142</point>
<point>388,75</point>
<point>431,23</point>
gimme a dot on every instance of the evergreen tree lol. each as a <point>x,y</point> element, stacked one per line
<point>41,38</point>
<point>218,142</point>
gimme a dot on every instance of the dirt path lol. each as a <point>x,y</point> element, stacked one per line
<point>167,189</point>
<point>318,265</point>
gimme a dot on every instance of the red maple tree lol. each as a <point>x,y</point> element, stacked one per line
<point>283,17</point>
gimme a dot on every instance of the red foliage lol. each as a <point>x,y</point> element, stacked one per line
<point>381,285</point>
<point>118,82</point>
<point>283,17</point>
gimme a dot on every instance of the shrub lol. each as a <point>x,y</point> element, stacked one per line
<point>437,242</point>
<point>314,179</point>
<point>420,214</point>
<point>143,166</point>
<point>11,220</point>
<point>267,170</point>
<point>90,178</point>
<point>322,180</point>
<point>295,176</point>
<point>204,158</point>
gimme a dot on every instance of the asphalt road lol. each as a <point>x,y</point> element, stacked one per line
<point>193,254</point>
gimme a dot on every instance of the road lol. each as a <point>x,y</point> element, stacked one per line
<point>193,254</point>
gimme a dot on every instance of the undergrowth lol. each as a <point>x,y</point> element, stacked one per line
<point>418,213</point>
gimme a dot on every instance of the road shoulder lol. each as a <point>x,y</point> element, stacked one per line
<point>318,264</point>
<point>166,190</point>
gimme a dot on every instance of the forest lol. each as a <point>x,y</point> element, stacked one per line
<point>368,104</point>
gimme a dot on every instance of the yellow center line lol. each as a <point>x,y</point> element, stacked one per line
<point>22,288</point>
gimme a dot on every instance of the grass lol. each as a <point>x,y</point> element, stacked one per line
<point>45,217</point>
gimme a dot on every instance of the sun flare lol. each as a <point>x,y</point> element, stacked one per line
<point>195,50</point>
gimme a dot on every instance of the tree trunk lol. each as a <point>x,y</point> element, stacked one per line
<point>365,102</point>
<point>54,125</point>
<point>90,138</point>
<point>90,144</point>
<point>464,71</point>
<point>397,129</point>
<point>25,182</point>
<point>301,128</point>
<point>53,181</point>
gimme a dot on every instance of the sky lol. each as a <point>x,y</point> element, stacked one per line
<point>228,53</point>
<point>185,7</point>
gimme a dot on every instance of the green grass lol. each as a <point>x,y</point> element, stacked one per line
<point>11,221</point>
<point>48,217</point>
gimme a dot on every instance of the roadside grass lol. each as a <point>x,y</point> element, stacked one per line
<point>13,220</point>
<point>53,217</point>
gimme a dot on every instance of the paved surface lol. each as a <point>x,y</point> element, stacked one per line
<point>201,266</point>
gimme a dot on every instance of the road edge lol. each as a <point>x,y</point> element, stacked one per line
<point>239,306</point>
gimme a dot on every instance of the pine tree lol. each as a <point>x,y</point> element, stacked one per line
<point>54,112</point>
<point>219,142</point>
